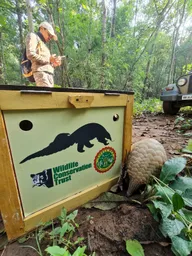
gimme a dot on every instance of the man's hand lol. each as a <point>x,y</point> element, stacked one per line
<point>55,60</point>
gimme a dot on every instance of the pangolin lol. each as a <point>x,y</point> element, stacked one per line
<point>146,158</point>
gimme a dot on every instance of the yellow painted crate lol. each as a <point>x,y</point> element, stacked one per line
<point>58,148</point>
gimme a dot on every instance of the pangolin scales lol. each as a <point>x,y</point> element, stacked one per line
<point>146,158</point>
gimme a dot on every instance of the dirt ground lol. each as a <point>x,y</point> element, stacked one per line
<point>107,231</point>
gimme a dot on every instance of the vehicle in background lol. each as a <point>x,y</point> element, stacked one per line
<point>177,95</point>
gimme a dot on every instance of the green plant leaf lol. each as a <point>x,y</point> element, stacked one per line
<point>185,127</point>
<point>165,193</point>
<point>171,168</point>
<point>55,231</point>
<point>42,1</point>
<point>79,239</point>
<point>153,211</point>
<point>23,239</point>
<point>72,215</point>
<point>178,202</point>
<point>80,251</point>
<point>182,183</point>
<point>189,146</point>
<point>187,214</point>
<point>64,229</point>
<point>187,197</point>
<point>171,227</point>
<point>164,208</point>
<point>184,150</point>
<point>179,119</point>
<point>57,251</point>
<point>189,134</point>
<point>2,20</point>
<point>181,247</point>
<point>70,227</point>
<point>63,213</point>
<point>134,248</point>
<point>63,216</point>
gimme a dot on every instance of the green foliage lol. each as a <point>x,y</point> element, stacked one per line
<point>137,56</point>
<point>67,228</point>
<point>187,68</point>
<point>178,202</point>
<point>171,168</point>
<point>61,237</point>
<point>134,248</point>
<point>171,195</point>
<point>183,124</point>
<point>189,146</point>
<point>180,246</point>
<point>148,106</point>
<point>182,183</point>
<point>188,149</point>
<point>58,251</point>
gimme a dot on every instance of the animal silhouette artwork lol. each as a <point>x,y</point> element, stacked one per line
<point>43,178</point>
<point>82,137</point>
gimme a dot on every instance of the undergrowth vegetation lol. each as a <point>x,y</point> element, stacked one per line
<point>171,205</point>
<point>147,106</point>
<point>154,105</point>
<point>170,202</point>
<point>60,238</point>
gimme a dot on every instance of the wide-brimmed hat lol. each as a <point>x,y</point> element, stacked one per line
<point>50,29</point>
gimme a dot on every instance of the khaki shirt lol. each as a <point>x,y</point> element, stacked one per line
<point>38,53</point>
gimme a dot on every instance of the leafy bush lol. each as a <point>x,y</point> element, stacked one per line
<point>172,204</point>
<point>150,106</point>
<point>182,124</point>
<point>61,237</point>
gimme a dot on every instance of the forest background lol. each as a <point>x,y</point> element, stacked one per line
<point>140,45</point>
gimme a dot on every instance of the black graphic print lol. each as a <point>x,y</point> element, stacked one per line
<point>43,178</point>
<point>81,137</point>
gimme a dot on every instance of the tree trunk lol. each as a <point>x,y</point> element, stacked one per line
<point>19,17</point>
<point>30,16</point>
<point>160,18</point>
<point>178,24</point>
<point>2,63</point>
<point>135,16</point>
<point>146,83</point>
<point>103,56</point>
<point>60,43</point>
<point>113,19</point>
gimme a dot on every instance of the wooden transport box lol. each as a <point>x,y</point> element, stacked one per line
<point>58,148</point>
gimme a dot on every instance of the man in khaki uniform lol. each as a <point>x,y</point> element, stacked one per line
<point>43,63</point>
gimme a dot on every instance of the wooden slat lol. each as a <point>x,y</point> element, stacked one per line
<point>127,136</point>
<point>70,203</point>
<point>15,100</point>
<point>10,206</point>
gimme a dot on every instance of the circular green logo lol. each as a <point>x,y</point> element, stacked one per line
<point>105,159</point>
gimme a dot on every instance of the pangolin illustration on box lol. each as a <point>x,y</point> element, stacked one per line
<point>82,137</point>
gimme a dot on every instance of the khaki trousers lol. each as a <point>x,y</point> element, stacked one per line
<point>43,79</point>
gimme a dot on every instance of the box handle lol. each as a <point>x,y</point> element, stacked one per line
<point>35,92</point>
<point>81,101</point>
<point>112,94</point>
